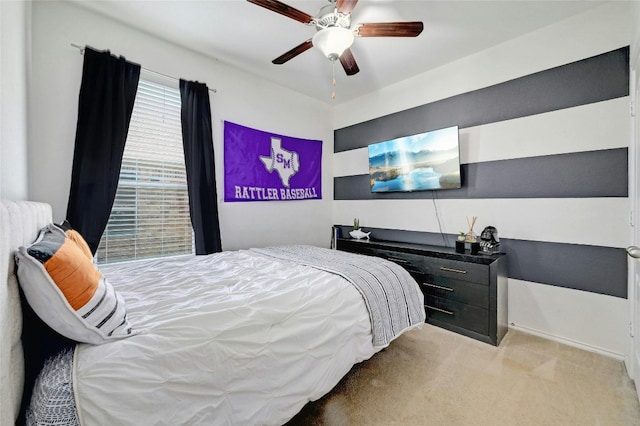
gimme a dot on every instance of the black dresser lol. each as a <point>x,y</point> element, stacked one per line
<point>463,293</point>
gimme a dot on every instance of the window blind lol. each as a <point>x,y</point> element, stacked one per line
<point>150,214</point>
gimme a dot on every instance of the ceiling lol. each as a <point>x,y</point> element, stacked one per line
<point>249,37</point>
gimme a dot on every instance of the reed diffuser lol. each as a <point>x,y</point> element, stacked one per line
<point>470,237</point>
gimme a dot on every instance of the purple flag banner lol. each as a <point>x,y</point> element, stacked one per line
<point>262,166</point>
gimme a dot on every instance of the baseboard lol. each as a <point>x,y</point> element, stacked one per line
<point>569,342</point>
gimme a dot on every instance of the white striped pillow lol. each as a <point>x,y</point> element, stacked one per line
<point>68,292</point>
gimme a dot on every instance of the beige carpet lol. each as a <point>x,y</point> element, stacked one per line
<point>430,376</point>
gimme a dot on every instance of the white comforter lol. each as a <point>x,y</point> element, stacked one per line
<point>232,338</point>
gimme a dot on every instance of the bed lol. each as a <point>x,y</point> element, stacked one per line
<point>239,337</point>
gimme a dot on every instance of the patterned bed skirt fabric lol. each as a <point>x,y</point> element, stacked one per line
<point>53,402</point>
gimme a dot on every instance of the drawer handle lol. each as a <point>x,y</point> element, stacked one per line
<point>439,287</point>
<point>395,259</point>
<point>444,311</point>
<point>457,271</point>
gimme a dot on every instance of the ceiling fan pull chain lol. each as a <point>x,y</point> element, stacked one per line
<point>333,68</point>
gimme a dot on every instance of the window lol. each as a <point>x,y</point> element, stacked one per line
<point>150,215</point>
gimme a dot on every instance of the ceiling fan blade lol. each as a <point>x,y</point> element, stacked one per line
<point>284,9</point>
<point>302,47</point>
<point>390,29</point>
<point>346,6</point>
<point>349,63</point>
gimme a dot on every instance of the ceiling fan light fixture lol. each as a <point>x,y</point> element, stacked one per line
<point>333,41</point>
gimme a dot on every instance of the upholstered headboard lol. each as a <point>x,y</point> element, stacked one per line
<point>20,223</point>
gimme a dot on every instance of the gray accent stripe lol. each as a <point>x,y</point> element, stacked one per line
<point>595,269</point>
<point>575,175</point>
<point>590,80</point>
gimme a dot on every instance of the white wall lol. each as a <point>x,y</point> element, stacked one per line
<point>585,319</point>
<point>14,77</point>
<point>241,98</point>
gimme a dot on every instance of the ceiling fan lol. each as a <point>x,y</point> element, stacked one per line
<point>334,35</point>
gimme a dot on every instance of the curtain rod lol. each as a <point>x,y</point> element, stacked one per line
<point>81,49</point>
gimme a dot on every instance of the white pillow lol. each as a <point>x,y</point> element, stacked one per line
<point>68,292</point>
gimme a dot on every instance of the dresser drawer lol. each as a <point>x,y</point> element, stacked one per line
<point>458,314</point>
<point>358,249</point>
<point>456,290</point>
<point>457,270</point>
<point>411,262</point>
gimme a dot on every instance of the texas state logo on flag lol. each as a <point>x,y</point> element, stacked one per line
<point>263,166</point>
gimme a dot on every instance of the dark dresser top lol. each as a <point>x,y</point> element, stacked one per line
<point>423,249</point>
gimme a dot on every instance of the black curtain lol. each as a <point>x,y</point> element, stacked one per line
<point>201,174</point>
<point>107,93</point>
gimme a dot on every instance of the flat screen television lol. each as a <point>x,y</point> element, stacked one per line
<point>425,161</point>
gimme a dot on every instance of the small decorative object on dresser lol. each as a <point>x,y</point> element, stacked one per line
<point>460,242</point>
<point>336,232</point>
<point>489,241</point>
<point>470,237</point>
<point>358,233</point>
<point>475,247</point>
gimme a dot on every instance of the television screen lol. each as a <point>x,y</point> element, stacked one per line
<point>429,160</point>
